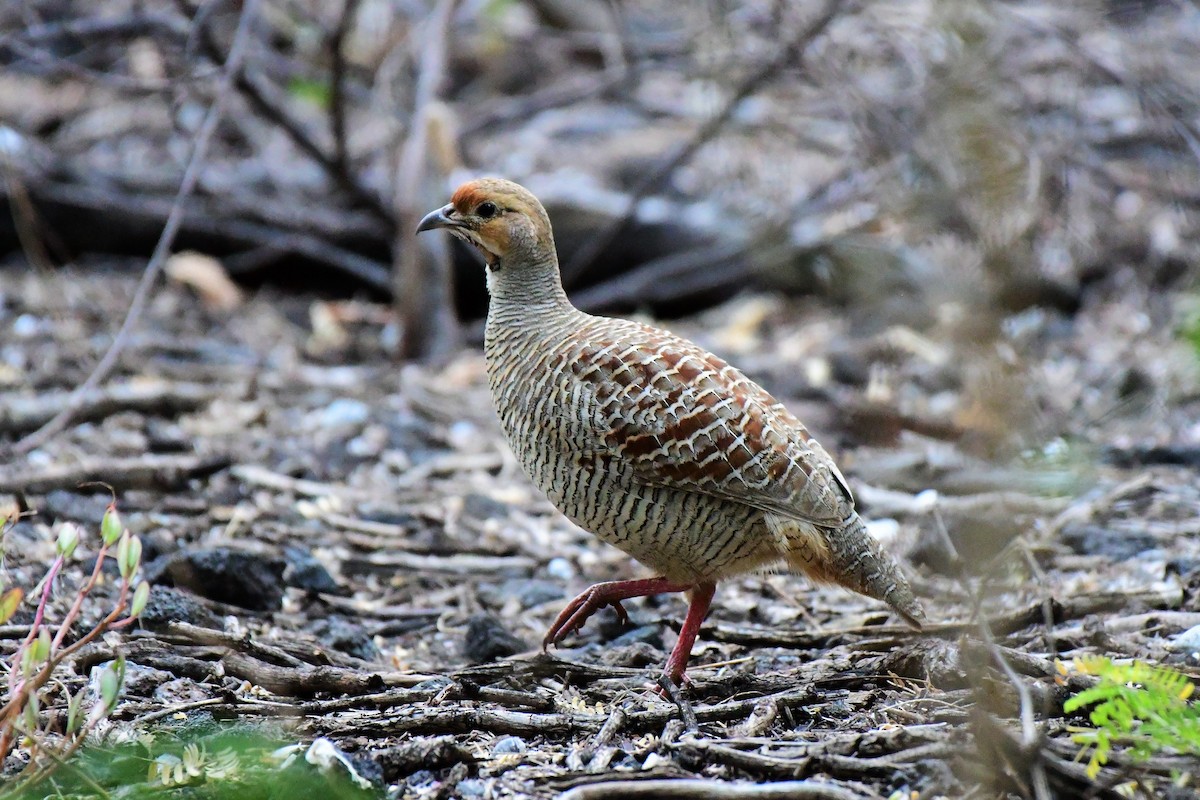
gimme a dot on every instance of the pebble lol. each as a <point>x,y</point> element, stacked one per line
<point>306,572</point>
<point>471,787</point>
<point>509,744</point>
<point>560,568</point>
<point>168,605</point>
<point>1188,641</point>
<point>343,412</point>
<point>464,435</point>
<point>487,640</point>
<point>481,507</point>
<point>529,592</point>
<point>27,326</point>
<point>238,577</point>
<point>421,778</point>
<point>346,636</point>
<point>1095,540</point>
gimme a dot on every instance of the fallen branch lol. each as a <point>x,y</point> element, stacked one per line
<point>162,472</point>
<point>21,414</point>
<point>697,789</point>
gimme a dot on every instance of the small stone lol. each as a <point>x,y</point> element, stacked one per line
<point>507,745</point>
<point>346,636</point>
<point>27,326</point>
<point>433,685</point>
<point>463,435</point>
<point>85,509</point>
<point>305,571</point>
<point>480,506</point>
<point>171,605</point>
<point>142,681</point>
<point>1188,641</point>
<point>529,592</point>
<point>561,569</point>
<point>635,654</point>
<point>471,787</point>
<point>238,577</point>
<point>421,778</point>
<point>181,691</point>
<point>341,413</point>
<point>487,640</point>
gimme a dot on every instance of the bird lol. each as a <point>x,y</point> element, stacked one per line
<point>649,441</point>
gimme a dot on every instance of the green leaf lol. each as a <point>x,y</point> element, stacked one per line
<point>74,707</point>
<point>111,680</point>
<point>30,713</point>
<point>10,601</point>
<point>1141,706</point>
<point>312,91</point>
<point>39,649</point>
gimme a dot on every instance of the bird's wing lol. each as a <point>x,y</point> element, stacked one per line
<point>678,416</point>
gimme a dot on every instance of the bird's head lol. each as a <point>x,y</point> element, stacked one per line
<point>504,221</point>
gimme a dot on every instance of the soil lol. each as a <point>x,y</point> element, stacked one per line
<point>345,548</point>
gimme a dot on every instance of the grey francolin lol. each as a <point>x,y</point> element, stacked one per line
<point>650,442</point>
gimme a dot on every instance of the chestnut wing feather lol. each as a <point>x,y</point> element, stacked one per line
<point>680,417</point>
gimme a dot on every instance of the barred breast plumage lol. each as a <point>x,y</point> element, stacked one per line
<point>649,441</point>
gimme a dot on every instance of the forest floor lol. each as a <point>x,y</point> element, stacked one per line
<point>345,548</point>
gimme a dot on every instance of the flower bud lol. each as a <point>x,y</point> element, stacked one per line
<point>141,595</point>
<point>129,555</point>
<point>68,539</point>
<point>110,526</point>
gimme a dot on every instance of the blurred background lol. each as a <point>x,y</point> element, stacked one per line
<point>953,171</point>
<point>957,237</point>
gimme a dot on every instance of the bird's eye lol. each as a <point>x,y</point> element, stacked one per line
<point>487,209</point>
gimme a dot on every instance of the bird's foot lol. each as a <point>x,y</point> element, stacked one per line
<point>597,597</point>
<point>571,618</point>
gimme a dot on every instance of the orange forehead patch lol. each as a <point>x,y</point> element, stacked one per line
<point>467,196</point>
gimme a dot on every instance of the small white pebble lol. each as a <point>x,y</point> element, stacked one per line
<point>1188,641</point>
<point>464,435</point>
<point>560,568</point>
<point>342,412</point>
<point>27,326</point>
<point>11,142</point>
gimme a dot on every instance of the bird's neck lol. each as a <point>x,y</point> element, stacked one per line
<point>532,284</point>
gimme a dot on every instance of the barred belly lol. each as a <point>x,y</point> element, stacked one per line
<point>684,536</point>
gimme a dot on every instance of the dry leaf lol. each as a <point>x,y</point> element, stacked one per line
<point>207,277</point>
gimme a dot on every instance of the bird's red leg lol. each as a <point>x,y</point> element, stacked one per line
<point>609,594</point>
<point>702,595</point>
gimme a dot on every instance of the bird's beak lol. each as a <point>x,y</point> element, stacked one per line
<point>439,218</point>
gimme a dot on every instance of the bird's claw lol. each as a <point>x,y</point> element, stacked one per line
<point>577,612</point>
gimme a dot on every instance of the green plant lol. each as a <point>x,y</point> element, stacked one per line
<point>1143,706</point>
<point>44,648</point>
<point>201,760</point>
<point>1189,325</point>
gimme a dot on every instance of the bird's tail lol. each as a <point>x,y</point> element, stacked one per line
<point>852,557</point>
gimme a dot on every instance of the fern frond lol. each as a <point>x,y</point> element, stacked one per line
<point>1143,706</point>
